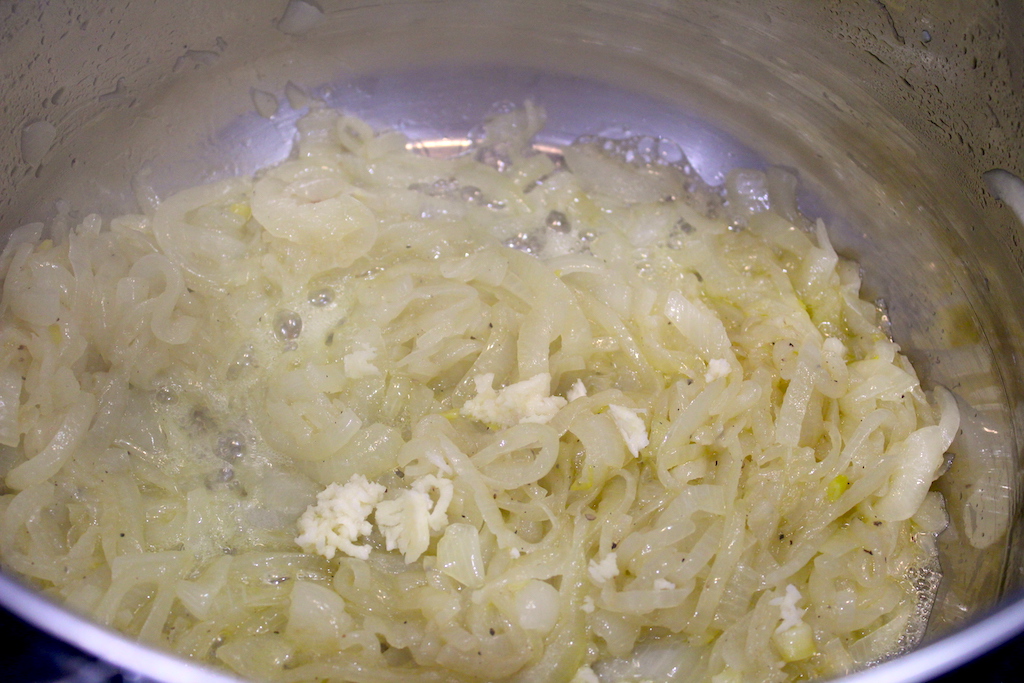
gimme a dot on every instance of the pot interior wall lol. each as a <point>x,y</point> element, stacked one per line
<point>871,106</point>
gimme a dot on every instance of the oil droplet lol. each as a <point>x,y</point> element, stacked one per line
<point>287,325</point>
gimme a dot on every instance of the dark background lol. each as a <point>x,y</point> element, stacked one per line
<point>31,656</point>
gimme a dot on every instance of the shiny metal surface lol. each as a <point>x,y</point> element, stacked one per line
<point>103,642</point>
<point>890,113</point>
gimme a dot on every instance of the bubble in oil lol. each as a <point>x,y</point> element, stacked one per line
<point>246,359</point>
<point>925,580</point>
<point>494,157</point>
<point>444,187</point>
<point>883,317</point>
<point>231,446</point>
<point>669,152</point>
<point>646,147</point>
<point>201,421</point>
<point>166,396</point>
<point>685,226</point>
<point>472,195</point>
<point>645,266</point>
<point>526,242</point>
<point>558,221</point>
<point>322,297</point>
<point>287,325</point>
<point>500,107</point>
<point>222,476</point>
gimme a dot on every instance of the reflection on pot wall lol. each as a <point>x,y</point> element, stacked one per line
<point>890,113</point>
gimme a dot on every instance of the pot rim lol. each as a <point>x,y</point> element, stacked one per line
<point>100,641</point>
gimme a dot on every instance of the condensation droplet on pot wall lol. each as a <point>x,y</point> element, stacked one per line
<point>266,104</point>
<point>297,97</point>
<point>36,140</point>
<point>119,90</point>
<point>195,59</point>
<point>1008,188</point>
<point>299,18</point>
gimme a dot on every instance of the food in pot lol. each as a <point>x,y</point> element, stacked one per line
<point>509,415</point>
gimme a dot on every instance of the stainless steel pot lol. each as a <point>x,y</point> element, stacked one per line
<point>890,112</point>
